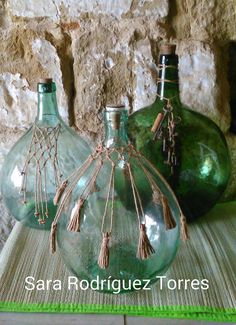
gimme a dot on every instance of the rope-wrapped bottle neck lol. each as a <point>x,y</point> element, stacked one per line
<point>115,119</point>
<point>168,81</point>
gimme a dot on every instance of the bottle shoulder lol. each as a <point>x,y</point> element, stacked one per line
<point>68,142</point>
<point>189,118</point>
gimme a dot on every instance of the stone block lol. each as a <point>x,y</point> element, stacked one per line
<point>145,72</point>
<point>18,104</point>
<point>204,20</point>
<point>73,8</point>
<point>199,84</point>
<point>55,9</point>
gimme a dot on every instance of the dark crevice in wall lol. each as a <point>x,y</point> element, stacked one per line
<point>155,50</point>
<point>131,93</point>
<point>232,84</point>
<point>63,48</point>
<point>137,36</point>
<point>3,4</point>
<point>171,33</point>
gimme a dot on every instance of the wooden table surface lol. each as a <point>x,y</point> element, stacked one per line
<point>22,241</point>
<point>90,319</point>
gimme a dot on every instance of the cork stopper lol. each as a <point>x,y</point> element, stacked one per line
<point>166,49</point>
<point>46,81</point>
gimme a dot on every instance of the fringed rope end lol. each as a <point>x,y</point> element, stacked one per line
<point>53,237</point>
<point>167,214</point>
<point>145,248</point>
<point>103,259</point>
<point>59,192</point>
<point>184,227</point>
<point>74,224</point>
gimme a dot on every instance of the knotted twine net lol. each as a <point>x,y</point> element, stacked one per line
<point>164,127</point>
<point>101,156</point>
<point>42,151</point>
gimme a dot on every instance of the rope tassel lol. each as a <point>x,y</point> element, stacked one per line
<point>53,237</point>
<point>184,227</point>
<point>59,192</point>
<point>74,224</point>
<point>103,259</point>
<point>168,218</point>
<point>145,248</point>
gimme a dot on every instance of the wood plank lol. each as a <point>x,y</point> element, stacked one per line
<point>130,320</point>
<point>59,319</point>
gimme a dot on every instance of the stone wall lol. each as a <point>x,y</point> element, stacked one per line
<point>106,51</point>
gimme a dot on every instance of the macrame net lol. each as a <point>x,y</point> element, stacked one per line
<point>42,152</point>
<point>113,156</point>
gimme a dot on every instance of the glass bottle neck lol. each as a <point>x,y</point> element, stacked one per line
<point>115,129</point>
<point>47,109</point>
<point>168,86</point>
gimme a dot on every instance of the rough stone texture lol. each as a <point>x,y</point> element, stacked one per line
<point>22,54</point>
<point>199,87</point>
<point>111,49</point>
<point>54,9</point>
<point>17,103</point>
<point>73,8</point>
<point>204,20</point>
<point>16,54</point>
<point>145,71</point>
<point>106,51</point>
<point>110,83</point>
<point>47,56</point>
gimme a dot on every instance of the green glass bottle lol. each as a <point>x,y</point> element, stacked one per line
<point>188,148</point>
<point>136,240</point>
<point>35,165</point>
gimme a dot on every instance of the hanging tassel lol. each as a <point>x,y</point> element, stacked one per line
<point>59,192</point>
<point>94,188</point>
<point>145,248</point>
<point>168,218</point>
<point>74,224</point>
<point>103,259</point>
<point>184,227</point>
<point>53,237</point>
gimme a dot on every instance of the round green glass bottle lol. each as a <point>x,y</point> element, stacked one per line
<point>38,161</point>
<point>188,148</point>
<point>119,205</point>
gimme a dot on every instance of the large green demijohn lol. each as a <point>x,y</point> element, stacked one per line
<point>38,161</point>
<point>188,148</point>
